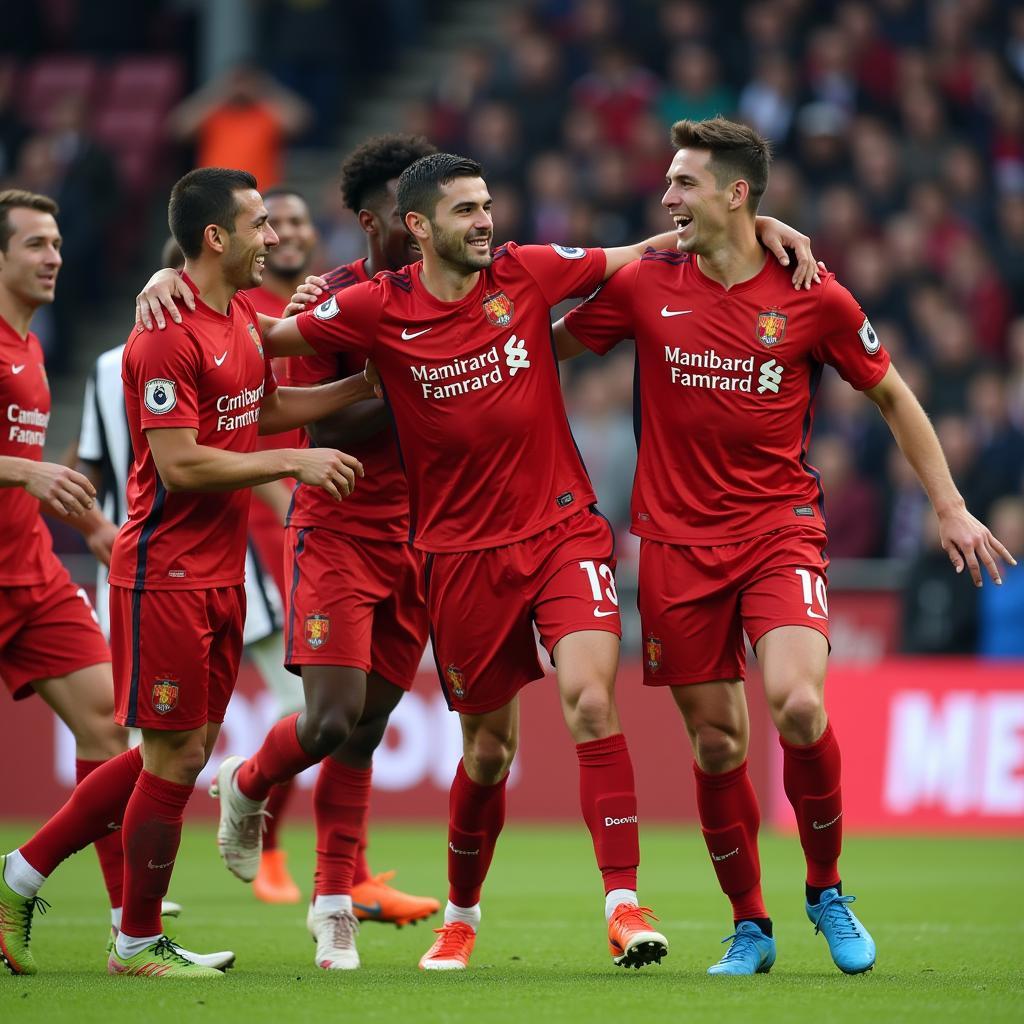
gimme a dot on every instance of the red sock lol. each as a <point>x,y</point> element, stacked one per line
<point>152,834</point>
<point>362,872</point>
<point>476,815</point>
<point>608,801</point>
<point>108,849</point>
<point>93,811</point>
<point>811,777</point>
<point>341,803</point>
<point>729,819</point>
<point>279,759</point>
<point>280,795</point>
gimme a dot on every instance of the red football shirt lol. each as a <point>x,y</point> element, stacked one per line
<point>265,529</point>
<point>26,550</point>
<point>727,380</point>
<point>378,509</point>
<point>473,386</point>
<point>208,373</point>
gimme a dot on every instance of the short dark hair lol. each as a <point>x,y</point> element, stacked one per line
<point>202,197</point>
<point>419,185</point>
<point>736,152</point>
<point>283,190</point>
<point>20,199</point>
<point>367,170</point>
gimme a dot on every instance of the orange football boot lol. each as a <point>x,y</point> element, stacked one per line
<point>375,900</point>
<point>631,940</point>
<point>451,948</point>
<point>273,883</point>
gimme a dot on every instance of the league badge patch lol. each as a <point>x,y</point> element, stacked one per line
<point>652,647</point>
<point>771,327</point>
<point>255,335</point>
<point>165,696</point>
<point>159,395</point>
<point>569,252</point>
<point>498,309</point>
<point>318,629</point>
<point>456,681</point>
<point>868,338</point>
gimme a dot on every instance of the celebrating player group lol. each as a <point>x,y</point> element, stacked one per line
<point>454,434</point>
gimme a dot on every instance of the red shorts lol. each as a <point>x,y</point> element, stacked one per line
<point>176,655</point>
<point>483,606</point>
<point>696,602</point>
<point>47,631</point>
<point>356,602</point>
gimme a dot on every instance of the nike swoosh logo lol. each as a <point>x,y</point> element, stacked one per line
<point>815,615</point>
<point>159,867</point>
<point>406,336</point>
<point>725,856</point>
<point>220,359</point>
<point>371,909</point>
<point>665,311</point>
<point>828,824</point>
<point>17,369</point>
<point>598,614</point>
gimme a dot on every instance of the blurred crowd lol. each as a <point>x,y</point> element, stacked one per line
<point>898,132</point>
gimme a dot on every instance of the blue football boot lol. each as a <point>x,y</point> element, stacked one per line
<point>750,952</point>
<point>852,948</point>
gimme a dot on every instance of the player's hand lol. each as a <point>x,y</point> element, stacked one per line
<point>162,291</point>
<point>328,468</point>
<point>969,542</point>
<point>60,489</point>
<point>777,237</point>
<point>373,379</point>
<point>307,294</point>
<point>101,542</point>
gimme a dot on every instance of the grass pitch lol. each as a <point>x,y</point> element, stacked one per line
<point>947,915</point>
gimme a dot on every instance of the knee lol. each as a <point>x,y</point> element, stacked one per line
<point>366,736</point>
<point>181,763</point>
<point>592,715</point>
<point>800,715</point>
<point>488,756</point>
<point>327,730</point>
<point>719,748</point>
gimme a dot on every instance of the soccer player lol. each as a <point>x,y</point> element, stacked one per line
<point>49,640</point>
<point>731,516</point>
<point>371,624</point>
<point>502,506</point>
<point>196,397</point>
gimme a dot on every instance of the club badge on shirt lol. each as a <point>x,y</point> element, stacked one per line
<point>771,327</point>
<point>159,395</point>
<point>255,335</point>
<point>498,309</point>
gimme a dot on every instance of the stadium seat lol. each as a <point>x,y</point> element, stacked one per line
<point>144,83</point>
<point>52,78</point>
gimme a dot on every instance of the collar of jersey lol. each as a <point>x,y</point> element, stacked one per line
<point>744,286</point>
<point>415,270</point>
<point>202,307</point>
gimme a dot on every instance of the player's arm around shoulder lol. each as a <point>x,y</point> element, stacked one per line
<point>966,540</point>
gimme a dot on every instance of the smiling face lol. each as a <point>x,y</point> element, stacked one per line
<point>31,260</point>
<point>698,206</point>
<point>247,247</point>
<point>289,217</point>
<point>461,229</point>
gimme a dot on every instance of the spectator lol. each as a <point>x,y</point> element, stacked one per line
<point>852,502</point>
<point>1001,610</point>
<point>694,90</point>
<point>241,119</point>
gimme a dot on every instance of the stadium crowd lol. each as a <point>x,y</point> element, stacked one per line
<point>898,131</point>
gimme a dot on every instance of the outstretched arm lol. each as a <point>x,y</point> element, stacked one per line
<point>286,408</point>
<point>965,539</point>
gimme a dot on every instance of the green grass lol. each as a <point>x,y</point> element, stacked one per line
<point>946,915</point>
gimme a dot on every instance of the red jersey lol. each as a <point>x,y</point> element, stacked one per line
<point>26,550</point>
<point>473,386</point>
<point>727,380</point>
<point>208,373</point>
<point>265,529</point>
<point>378,509</point>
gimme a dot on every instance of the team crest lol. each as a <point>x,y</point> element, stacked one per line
<point>771,327</point>
<point>456,681</point>
<point>255,335</point>
<point>318,629</point>
<point>498,309</point>
<point>165,696</point>
<point>652,647</point>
